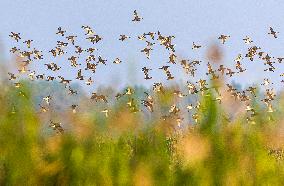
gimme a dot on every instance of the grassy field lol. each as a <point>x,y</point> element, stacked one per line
<point>126,149</point>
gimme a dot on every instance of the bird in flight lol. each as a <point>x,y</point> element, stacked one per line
<point>195,46</point>
<point>56,126</point>
<point>117,61</point>
<point>223,38</point>
<point>74,107</point>
<point>105,111</point>
<point>146,73</point>
<point>136,18</point>
<point>88,30</point>
<point>28,42</point>
<point>123,37</point>
<point>146,51</point>
<point>60,31</point>
<point>148,102</point>
<point>47,99</point>
<point>43,109</point>
<point>12,76</point>
<point>71,39</point>
<point>97,97</point>
<point>15,36</point>
<point>247,40</point>
<point>167,72</point>
<point>272,32</point>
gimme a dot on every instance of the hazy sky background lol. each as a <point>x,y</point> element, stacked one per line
<point>199,21</point>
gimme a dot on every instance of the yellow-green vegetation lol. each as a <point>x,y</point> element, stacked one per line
<point>132,151</point>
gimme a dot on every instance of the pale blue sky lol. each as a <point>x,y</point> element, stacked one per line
<point>199,21</point>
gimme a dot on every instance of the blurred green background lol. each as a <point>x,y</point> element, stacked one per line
<point>127,149</point>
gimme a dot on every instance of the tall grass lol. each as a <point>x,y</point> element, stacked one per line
<point>130,150</point>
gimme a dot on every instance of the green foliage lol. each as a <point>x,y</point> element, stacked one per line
<point>215,152</point>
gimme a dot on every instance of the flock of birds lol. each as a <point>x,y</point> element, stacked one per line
<point>92,61</point>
